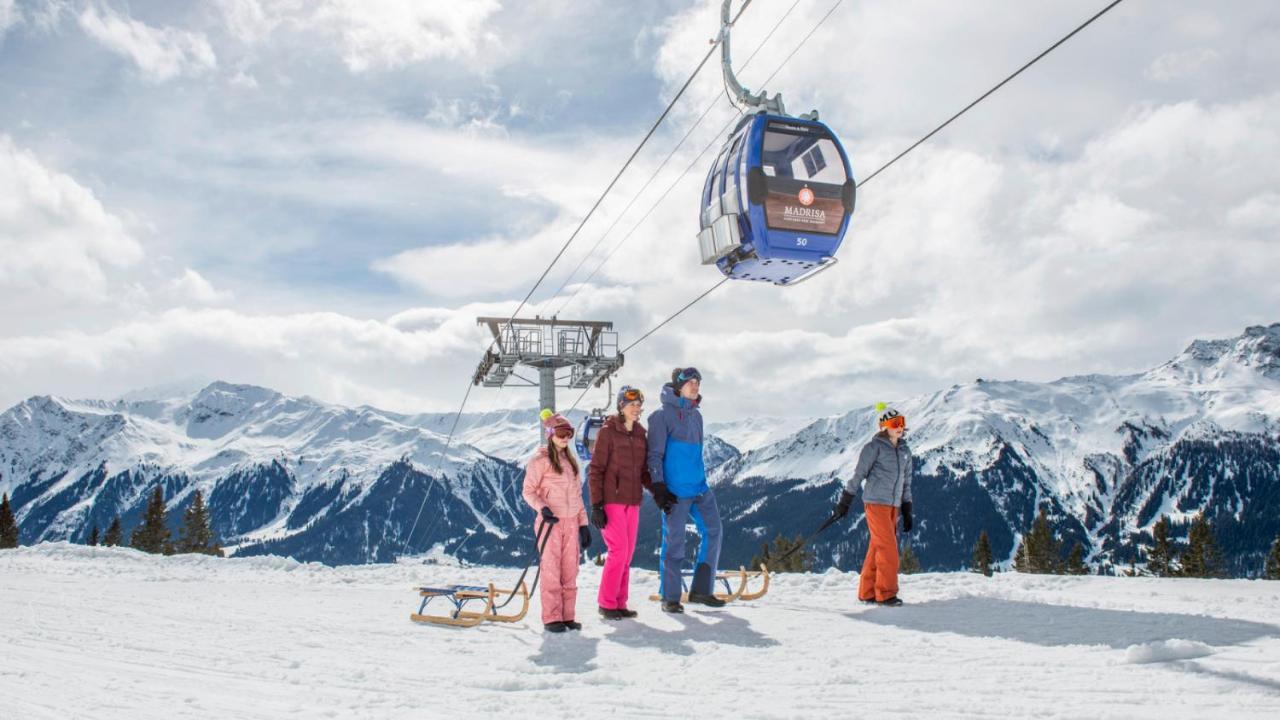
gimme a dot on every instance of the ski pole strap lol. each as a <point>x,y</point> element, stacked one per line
<point>830,521</point>
<point>540,542</point>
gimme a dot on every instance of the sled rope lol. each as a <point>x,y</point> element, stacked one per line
<point>539,542</point>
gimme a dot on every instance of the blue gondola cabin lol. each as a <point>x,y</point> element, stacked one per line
<point>777,201</point>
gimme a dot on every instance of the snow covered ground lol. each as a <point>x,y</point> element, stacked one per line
<point>113,633</point>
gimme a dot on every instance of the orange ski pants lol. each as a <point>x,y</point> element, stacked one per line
<point>879,579</point>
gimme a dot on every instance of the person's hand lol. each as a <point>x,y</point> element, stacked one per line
<point>663,497</point>
<point>906,516</point>
<point>584,537</point>
<point>548,516</point>
<point>842,507</point>
<point>598,518</point>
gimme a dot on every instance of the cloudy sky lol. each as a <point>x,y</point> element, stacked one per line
<point>321,196</point>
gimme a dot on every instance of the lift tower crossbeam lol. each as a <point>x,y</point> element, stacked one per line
<point>587,348</point>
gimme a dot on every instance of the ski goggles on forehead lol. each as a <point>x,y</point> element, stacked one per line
<point>631,395</point>
<point>689,374</point>
<point>897,422</point>
<point>564,433</point>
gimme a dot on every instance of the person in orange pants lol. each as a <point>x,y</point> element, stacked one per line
<point>879,579</point>
<point>884,473</point>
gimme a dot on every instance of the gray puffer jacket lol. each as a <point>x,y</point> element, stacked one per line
<point>887,471</point>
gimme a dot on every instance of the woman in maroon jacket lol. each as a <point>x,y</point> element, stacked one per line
<point>618,475</point>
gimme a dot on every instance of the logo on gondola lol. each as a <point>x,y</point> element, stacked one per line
<point>806,197</point>
<point>807,216</point>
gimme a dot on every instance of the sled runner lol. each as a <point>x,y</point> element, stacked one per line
<point>744,578</point>
<point>763,575</point>
<point>460,595</point>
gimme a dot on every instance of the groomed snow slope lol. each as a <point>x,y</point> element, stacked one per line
<point>110,632</point>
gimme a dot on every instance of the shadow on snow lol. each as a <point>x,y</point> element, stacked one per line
<point>1058,625</point>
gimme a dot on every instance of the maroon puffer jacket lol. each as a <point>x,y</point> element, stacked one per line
<point>618,472</point>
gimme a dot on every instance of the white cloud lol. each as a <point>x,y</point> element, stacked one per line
<point>392,33</point>
<point>245,80</point>
<point>477,268</point>
<point>56,238</point>
<point>192,287</point>
<point>251,21</point>
<point>1261,212</point>
<point>470,116</point>
<point>160,53</point>
<point>373,34</point>
<point>1177,65</point>
<point>325,354</point>
<point>9,16</point>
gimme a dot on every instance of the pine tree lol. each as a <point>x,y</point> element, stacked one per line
<point>195,535</point>
<point>1021,560</point>
<point>1044,548</point>
<point>981,562</point>
<point>1202,558</point>
<point>94,535</point>
<point>908,563</point>
<point>1075,562</point>
<point>1039,552</point>
<point>115,535</point>
<point>153,534</point>
<point>8,525</point>
<point>1271,571</point>
<point>1160,556</point>
<point>799,561</point>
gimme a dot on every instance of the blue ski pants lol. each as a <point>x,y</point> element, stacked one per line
<point>705,514</point>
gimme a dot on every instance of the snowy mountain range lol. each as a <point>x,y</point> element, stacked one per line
<point>1106,455</point>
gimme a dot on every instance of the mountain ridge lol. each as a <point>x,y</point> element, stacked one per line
<point>298,476</point>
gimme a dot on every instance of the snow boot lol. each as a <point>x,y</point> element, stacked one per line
<point>626,613</point>
<point>672,606</point>
<point>891,602</point>
<point>555,627</point>
<point>611,614</point>
<point>708,600</point>
<point>702,589</point>
<point>572,625</point>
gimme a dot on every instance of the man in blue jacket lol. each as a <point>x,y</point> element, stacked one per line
<point>680,489</point>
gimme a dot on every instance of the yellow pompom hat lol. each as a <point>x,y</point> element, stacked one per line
<point>552,420</point>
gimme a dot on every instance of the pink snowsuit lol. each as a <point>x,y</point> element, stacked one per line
<point>544,487</point>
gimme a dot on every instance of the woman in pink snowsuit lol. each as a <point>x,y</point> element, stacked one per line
<point>552,489</point>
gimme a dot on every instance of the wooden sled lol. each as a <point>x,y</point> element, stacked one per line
<point>460,595</point>
<point>744,578</point>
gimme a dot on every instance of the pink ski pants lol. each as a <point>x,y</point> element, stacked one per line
<point>619,533</point>
<point>559,562</point>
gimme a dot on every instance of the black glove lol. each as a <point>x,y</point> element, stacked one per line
<point>663,497</point>
<point>842,508</point>
<point>598,518</point>
<point>584,537</point>
<point>906,516</point>
<point>548,516</point>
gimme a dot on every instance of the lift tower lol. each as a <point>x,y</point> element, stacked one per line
<point>589,349</point>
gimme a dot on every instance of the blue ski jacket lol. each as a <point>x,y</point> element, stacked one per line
<point>675,445</point>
